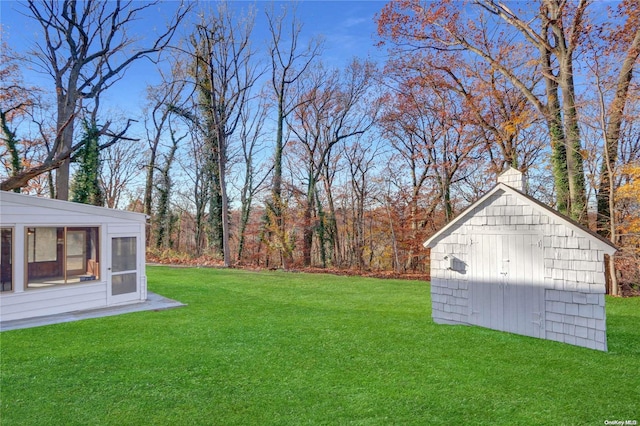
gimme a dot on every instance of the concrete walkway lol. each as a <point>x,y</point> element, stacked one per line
<point>154,302</point>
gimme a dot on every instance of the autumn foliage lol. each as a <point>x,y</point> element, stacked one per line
<point>275,157</point>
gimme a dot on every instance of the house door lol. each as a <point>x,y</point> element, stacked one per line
<point>123,281</point>
<point>506,283</point>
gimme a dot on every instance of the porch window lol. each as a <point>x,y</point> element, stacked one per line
<point>62,255</point>
<point>6,260</point>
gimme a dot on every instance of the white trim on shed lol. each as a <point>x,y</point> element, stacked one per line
<point>60,257</point>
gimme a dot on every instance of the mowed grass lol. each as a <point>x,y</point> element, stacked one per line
<point>272,348</point>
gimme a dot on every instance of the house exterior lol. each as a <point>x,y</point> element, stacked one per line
<point>59,257</point>
<point>511,263</point>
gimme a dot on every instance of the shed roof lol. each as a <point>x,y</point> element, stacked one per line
<point>603,243</point>
<point>59,205</point>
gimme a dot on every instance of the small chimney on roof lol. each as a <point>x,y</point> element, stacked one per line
<point>512,177</point>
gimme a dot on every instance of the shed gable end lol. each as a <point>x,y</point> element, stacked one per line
<point>512,264</point>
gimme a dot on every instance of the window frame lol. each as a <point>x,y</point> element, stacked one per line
<point>82,256</point>
<point>12,259</point>
<point>30,284</point>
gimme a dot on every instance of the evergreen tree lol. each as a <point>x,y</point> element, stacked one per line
<point>85,187</point>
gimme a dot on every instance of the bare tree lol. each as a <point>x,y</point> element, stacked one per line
<point>552,34</point>
<point>251,134</point>
<point>225,74</point>
<point>288,63</point>
<point>164,187</point>
<point>361,158</point>
<point>86,49</point>
<point>196,168</point>
<point>331,108</point>
<point>413,131</point>
<point>121,165</point>
<point>164,99</point>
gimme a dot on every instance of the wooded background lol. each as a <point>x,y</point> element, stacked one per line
<point>262,154</point>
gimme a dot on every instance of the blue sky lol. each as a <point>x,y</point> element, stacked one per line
<point>347,27</point>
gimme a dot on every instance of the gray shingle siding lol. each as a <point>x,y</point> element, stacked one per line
<point>572,266</point>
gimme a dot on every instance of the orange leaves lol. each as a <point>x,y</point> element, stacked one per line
<point>627,16</point>
<point>518,121</point>
<point>631,189</point>
<point>410,22</point>
<point>15,98</point>
<point>509,127</point>
<point>628,206</point>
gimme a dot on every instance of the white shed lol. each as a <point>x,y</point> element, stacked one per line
<point>59,257</point>
<point>511,263</point>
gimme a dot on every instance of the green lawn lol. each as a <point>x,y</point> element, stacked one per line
<point>289,349</point>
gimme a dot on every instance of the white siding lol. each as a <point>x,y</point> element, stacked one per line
<point>20,211</point>
<point>68,298</point>
<point>560,273</point>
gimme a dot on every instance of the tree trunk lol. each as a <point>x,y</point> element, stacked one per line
<point>613,278</point>
<point>332,224</point>
<point>561,42</point>
<point>245,214</point>
<point>575,168</point>
<point>148,190</point>
<point>64,136</point>
<point>394,243</point>
<point>163,233</point>
<point>414,249</point>
<point>246,198</point>
<point>556,134</point>
<point>215,209</point>
<point>276,197</point>
<point>12,142</point>
<point>148,187</point>
<point>222,171</point>
<point>307,233</point>
<point>200,202</point>
<point>320,231</point>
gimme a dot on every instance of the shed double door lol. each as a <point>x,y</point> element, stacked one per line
<point>506,289</point>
